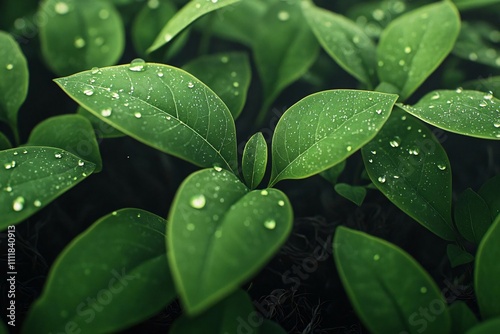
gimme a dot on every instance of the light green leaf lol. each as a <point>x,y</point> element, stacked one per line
<point>415,43</point>
<point>373,271</point>
<point>101,128</point>
<point>474,44</point>
<point>489,192</point>
<point>458,256</point>
<point>227,74</point>
<point>80,35</point>
<point>220,234</point>
<point>410,167</point>
<point>254,160</point>
<point>112,276</point>
<point>465,112</point>
<point>4,142</point>
<point>324,129</point>
<point>345,42</point>
<point>487,272</point>
<point>486,327</point>
<point>32,177</point>
<point>193,10</point>
<point>490,84</point>
<point>333,173</point>
<point>13,80</point>
<point>161,106</point>
<point>355,194</point>
<point>72,133</point>
<point>471,4</point>
<point>472,216</point>
<point>462,318</point>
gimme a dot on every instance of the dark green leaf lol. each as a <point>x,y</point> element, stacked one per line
<point>462,318</point>
<point>472,216</point>
<point>491,84</point>
<point>489,192</point>
<point>4,142</point>
<point>254,160</point>
<point>355,194</point>
<point>474,44</point>
<point>458,256</point>
<point>486,327</point>
<point>471,4</point>
<point>333,173</point>
<point>101,128</point>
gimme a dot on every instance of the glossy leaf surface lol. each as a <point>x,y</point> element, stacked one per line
<point>254,160</point>
<point>472,216</point>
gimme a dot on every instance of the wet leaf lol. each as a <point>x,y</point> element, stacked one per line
<point>4,142</point>
<point>486,327</point>
<point>72,133</point>
<point>161,106</point>
<point>333,173</point>
<point>490,194</point>
<point>80,35</point>
<point>487,272</point>
<point>472,216</point>
<point>220,234</point>
<point>345,42</point>
<point>474,44</point>
<point>359,256</point>
<point>458,256</point>
<point>254,160</point>
<point>410,167</point>
<point>227,74</point>
<point>462,318</point>
<point>114,275</point>
<point>184,17</point>
<point>324,129</point>
<point>466,112</point>
<point>414,44</point>
<point>32,177</point>
<point>101,128</point>
<point>354,194</point>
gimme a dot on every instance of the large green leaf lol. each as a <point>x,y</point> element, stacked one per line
<point>72,133</point>
<point>345,42</point>
<point>112,276</point>
<point>161,106</point>
<point>487,272</point>
<point>462,318</point>
<point>80,35</point>
<point>471,4</point>
<point>472,216</point>
<point>220,234</point>
<point>101,128</point>
<point>466,112</point>
<point>13,79</point>
<point>489,192</point>
<point>254,160</point>
<point>227,74</point>
<point>193,10</point>
<point>325,128</point>
<point>490,84</point>
<point>386,286</point>
<point>486,327</point>
<point>4,142</point>
<point>32,177</point>
<point>411,168</point>
<point>415,43</point>
<point>474,44</point>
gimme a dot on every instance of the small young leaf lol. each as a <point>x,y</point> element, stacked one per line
<point>472,216</point>
<point>490,194</point>
<point>102,129</point>
<point>220,234</point>
<point>161,106</point>
<point>354,194</point>
<point>411,168</point>
<point>373,271</point>
<point>227,74</point>
<point>462,318</point>
<point>193,10</point>
<point>112,276</point>
<point>458,256</point>
<point>4,142</point>
<point>324,129</point>
<point>474,44</point>
<point>465,112</point>
<point>254,160</point>
<point>486,327</point>
<point>333,173</point>
<point>32,177</point>
<point>72,133</point>
<point>487,272</point>
<point>414,44</point>
<point>80,35</point>
<point>345,42</point>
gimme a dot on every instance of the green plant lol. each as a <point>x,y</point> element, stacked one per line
<point>221,230</point>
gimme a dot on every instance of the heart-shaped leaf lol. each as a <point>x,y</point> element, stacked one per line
<point>472,216</point>
<point>375,272</point>
<point>462,318</point>
<point>112,276</point>
<point>254,160</point>
<point>161,106</point>
<point>220,234</point>
<point>324,129</point>
<point>354,194</point>
<point>31,177</point>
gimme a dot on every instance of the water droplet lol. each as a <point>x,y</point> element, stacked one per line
<point>224,59</point>
<point>103,14</point>
<point>370,160</point>
<point>408,50</point>
<point>115,96</point>
<point>9,67</point>
<point>281,203</point>
<point>137,114</point>
<point>218,234</point>
<point>423,289</point>
<point>376,257</point>
<point>473,56</point>
<point>488,96</point>
<point>58,155</point>
<point>160,74</point>
<point>37,203</point>
<point>395,142</point>
<point>459,90</point>
<point>283,16</point>
<point>403,118</point>
<point>349,148</point>
<point>396,176</point>
<point>236,84</point>
<point>264,192</point>
<point>378,14</point>
<point>15,153</point>
<point>435,96</point>
<point>270,224</point>
<point>414,151</point>
<point>95,70</point>
<point>373,152</point>
<point>137,65</point>
<point>61,8</point>
<point>215,1</point>
<point>441,167</point>
<point>18,203</point>
<point>401,62</point>
<point>106,112</point>
<point>153,4</point>
<point>167,37</point>
<point>8,189</point>
<point>114,213</point>
<point>190,227</point>
<point>496,125</point>
<point>197,201</point>
<point>10,165</point>
<point>190,84</point>
<point>198,5</point>
<point>378,111</point>
<point>381,179</point>
<point>79,42</point>
<point>81,163</point>
<point>88,92</point>
<point>483,104</point>
<point>218,168</point>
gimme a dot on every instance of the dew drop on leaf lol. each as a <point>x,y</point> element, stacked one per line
<point>81,163</point>
<point>381,179</point>
<point>270,224</point>
<point>137,65</point>
<point>218,168</point>
<point>283,16</point>
<point>376,257</point>
<point>190,84</point>
<point>198,201</point>
<point>9,67</point>
<point>236,84</point>
<point>167,37</point>
<point>8,189</point>
<point>18,203</point>
<point>264,192</point>
<point>79,42</point>
<point>395,142</point>
<point>37,203</point>
<point>61,8</point>
<point>407,50</point>
<point>137,114</point>
<point>441,167</point>
<point>106,112</point>
<point>281,203</point>
<point>88,92</point>
<point>58,155</point>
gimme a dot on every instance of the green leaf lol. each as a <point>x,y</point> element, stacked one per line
<point>227,74</point>
<point>13,80</point>
<point>270,327</point>
<point>410,167</point>
<point>161,106</point>
<point>254,160</point>
<point>80,35</point>
<point>471,4</point>
<point>228,316</point>
<point>355,194</point>
<point>324,129</point>
<point>489,192</point>
<point>72,133</point>
<point>414,44</point>
<point>220,234</point>
<point>458,256</point>
<point>474,44</point>
<point>487,272</point>
<point>486,327</point>
<point>372,271</point>
<point>472,216</point>
<point>333,173</point>
<point>112,276</point>
<point>462,318</point>
<point>283,56</point>
<point>345,42</point>
<point>4,142</point>
<point>193,10</point>
<point>491,84</point>
<point>32,177</point>
<point>465,112</point>
<point>101,128</point>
